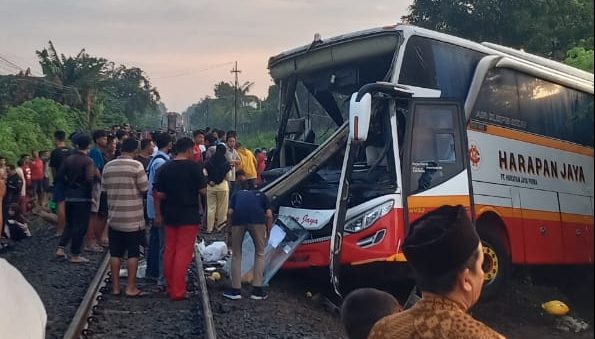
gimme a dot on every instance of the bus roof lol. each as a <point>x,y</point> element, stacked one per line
<point>374,41</point>
<point>542,61</point>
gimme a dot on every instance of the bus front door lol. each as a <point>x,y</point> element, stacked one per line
<point>435,167</point>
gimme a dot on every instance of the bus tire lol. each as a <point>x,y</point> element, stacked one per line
<point>497,264</point>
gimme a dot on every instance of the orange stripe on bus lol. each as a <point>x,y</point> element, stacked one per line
<point>540,215</point>
<point>509,212</point>
<point>577,218</point>
<point>437,201</point>
<point>537,140</point>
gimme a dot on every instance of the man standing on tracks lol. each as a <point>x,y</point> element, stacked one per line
<point>156,232</point>
<point>125,183</point>
<point>249,211</point>
<point>450,284</point>
<point>77,175</point>
<point>176,193</point>
<point>99,203</point>
<point>56,158</point>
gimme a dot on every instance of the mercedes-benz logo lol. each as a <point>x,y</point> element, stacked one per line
<point>296,199</point>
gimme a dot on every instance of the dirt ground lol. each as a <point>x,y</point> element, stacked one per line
<point>291,313</point>
<point>516,311</point>
<point>60,284</point>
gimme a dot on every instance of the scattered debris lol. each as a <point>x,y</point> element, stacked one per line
<point>140,273</point>
<point>215,276</point>
<point>214,252</point>
<point>570,324</point>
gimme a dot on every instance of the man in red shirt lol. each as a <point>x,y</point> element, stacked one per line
<point>37,179</point>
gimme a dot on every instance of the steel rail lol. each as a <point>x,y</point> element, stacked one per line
<point>80,320</point>
<point>206,304</point>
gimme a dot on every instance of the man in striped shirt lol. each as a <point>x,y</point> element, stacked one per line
<point>125,182</point>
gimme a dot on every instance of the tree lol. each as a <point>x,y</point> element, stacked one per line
<point>580,58</point>
<point>106,93</point>
<point>545,27</point>
<point>133,92</point>
<point>30,126</point>
<point>77,79</point>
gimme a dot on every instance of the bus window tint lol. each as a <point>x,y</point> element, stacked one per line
<point>516,100</point>
<point>435,152</point>
<point>438,65</point>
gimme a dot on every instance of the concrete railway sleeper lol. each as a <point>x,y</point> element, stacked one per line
<point>102,315</point>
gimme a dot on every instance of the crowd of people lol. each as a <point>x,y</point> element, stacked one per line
<point>108,188</point>
<point>139,194</point>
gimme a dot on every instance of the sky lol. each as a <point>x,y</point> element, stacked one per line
<point>184,46</point>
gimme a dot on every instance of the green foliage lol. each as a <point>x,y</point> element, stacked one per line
<point>31,125</point>
<point>101,92</point>
<point>545,27</point>
<point>580,58</point>
<point>256,121</point>
<point>258,140</point>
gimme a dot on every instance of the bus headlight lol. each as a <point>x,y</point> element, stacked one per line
<point>368,218</point>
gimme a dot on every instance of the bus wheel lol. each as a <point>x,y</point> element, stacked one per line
<point>496,261</point>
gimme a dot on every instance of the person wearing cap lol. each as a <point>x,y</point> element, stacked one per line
<point>445,254</point>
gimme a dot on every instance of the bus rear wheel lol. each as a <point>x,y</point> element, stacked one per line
<point>496,261</point>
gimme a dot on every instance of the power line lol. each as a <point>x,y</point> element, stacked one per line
<point>16,66</point>
<point>208,68</point>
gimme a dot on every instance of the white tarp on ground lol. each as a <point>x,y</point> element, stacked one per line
<point>285,237</point>
<point>22,314</point>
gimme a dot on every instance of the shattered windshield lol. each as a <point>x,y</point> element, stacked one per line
<point>313,105</point>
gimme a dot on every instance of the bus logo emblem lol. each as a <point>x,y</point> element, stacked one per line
<point>474,156</point>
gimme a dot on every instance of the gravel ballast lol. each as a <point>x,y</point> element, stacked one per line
<point>60,284</point>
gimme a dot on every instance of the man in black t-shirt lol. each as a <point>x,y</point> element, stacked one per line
<point>176,190</point>
<point>56,158</point>
<point>249,211</point>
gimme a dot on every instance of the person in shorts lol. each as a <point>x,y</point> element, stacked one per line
<point>96,234</point>
<point>56,157</point>
<point>125,183</point>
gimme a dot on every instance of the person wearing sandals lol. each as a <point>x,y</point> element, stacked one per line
<point>125,183</point>
<point>176,193</point>
<point>77,174</point>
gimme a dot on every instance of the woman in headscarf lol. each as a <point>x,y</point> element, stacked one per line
<point>218,172</point>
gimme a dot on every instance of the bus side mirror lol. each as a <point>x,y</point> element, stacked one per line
<point>360,113</point>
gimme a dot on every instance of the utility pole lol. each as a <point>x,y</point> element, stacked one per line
<point>235,70</point>
<point>207,113</point>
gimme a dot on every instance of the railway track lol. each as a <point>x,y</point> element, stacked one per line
<point>102,315</point>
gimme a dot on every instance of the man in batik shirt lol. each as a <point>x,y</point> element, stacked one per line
<point>445,253</point>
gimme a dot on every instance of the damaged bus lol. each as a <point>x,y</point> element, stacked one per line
<point>421,119</point>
